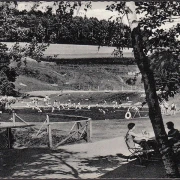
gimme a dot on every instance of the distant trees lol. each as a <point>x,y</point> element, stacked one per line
<point>61,27</point>
<point>7,74</point>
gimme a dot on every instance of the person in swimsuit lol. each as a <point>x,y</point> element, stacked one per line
<point>173,109</point>
<point>55,105</point>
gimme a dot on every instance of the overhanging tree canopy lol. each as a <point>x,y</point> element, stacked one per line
<point>161,46</point>
<point>150,43</point>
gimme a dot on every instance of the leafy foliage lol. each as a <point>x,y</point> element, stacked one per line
<point>161,46</point>
<point>6,73</point>
<point>167,73</point>
<point>6,87</point>
<point>17,53</point>
<point>61,27</point>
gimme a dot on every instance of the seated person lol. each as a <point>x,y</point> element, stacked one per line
<point>173,134</point>
<point>137,140</point>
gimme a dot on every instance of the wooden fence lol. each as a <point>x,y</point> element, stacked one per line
<point>80,130</point>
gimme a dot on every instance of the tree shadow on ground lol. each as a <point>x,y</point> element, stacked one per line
<point>101,164</point>
<point>117,166</point>
<point>154,169</point>
<point>34,163</point>
<point>130,170</point>
<point>45,163</point>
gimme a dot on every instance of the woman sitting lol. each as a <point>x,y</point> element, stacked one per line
<point>133,139</point>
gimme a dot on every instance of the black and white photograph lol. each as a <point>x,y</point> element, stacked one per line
<point>89,89</point>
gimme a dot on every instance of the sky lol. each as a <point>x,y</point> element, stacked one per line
<point>98,9</point>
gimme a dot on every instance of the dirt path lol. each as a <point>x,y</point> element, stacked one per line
<point>74,161</point>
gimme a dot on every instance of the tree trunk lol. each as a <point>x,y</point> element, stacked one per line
<point>142,61</point>
<point>154,109</point>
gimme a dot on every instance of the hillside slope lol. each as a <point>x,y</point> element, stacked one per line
<point>50,76</point>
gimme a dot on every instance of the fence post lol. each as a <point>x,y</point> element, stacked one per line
<point>14,118</point>
<point>77,124</point>
<point>49,132</point>
<point>88,129</point>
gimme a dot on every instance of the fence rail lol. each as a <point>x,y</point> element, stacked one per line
<point>80,130</point>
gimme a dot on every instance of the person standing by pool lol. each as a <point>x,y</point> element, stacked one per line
<point>55,105</point>
<point>89,107</point>
<point>166,106</point>
<point>36,102</point>
<point>46,100</point>
<point>105,103</point>
<point>173,109</point>
<point>79,105</point>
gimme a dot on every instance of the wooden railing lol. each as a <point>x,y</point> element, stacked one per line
<point>82,129</point>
